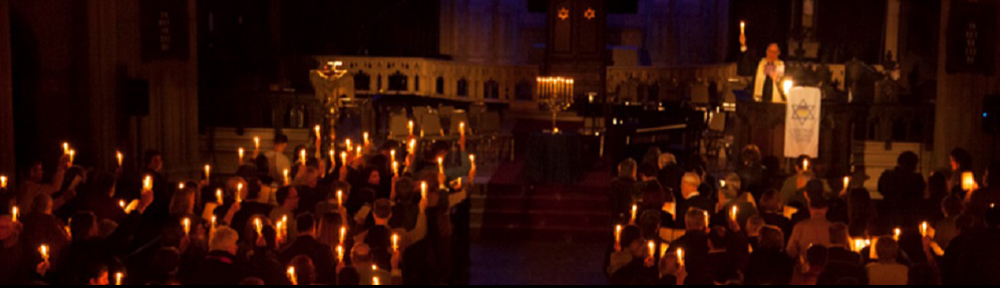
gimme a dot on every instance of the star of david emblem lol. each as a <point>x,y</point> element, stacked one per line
<point>590,14</point>
<point>563,13</point>
<point>803,112</point>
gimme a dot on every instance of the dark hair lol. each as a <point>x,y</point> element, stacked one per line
<point>305,222</point>
<point>952,205</point>
<point>817,199</point>
<point>770,201</point>
<point>771,238</point>
<point>963,158</point>
<point>653,196</point>
<point>839,234</point>
<point>282,195</point>
<point>148,157</point>
<point>908,161</point>
<point>81,224</point>
<point>630,234</point>
<point>649,169</point>
<point>818,255</point>
<point>280,138</point>
<point>649,223</point>
<point>348,277</point>
<point>382,208</point>
<point>717,237</point>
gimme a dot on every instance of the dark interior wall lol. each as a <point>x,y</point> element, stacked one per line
<point>767,22</point>
<point>851,28</point>
<point>50,56</point>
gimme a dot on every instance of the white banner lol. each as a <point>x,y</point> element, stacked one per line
<point>802,122</point>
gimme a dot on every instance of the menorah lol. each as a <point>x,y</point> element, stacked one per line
<point>557,94</point>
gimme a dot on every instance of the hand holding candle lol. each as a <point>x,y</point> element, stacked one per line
<point>218,197</point>
<point>44,251</point>
<point>968,181</point>
<point>118,278</point>
<point>186,223</point>
<point>618,237</point>
<point>208,172</point>
<point>258,226</point>
<point>13,214</point>
<point>291,276</point>
<point>3,182</point>
<point>395,243</point>
<point>635,211</point>
<point>121,157</point>
<point>240,152</point>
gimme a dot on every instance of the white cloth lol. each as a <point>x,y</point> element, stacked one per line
<point>278,163</point>
<point>762,75</point>
<point>802,122</point>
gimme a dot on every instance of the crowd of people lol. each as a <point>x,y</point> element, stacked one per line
<point>368,215</point>
<point>676,224</point>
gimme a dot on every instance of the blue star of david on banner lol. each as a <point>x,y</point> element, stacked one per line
<point>803,112</point>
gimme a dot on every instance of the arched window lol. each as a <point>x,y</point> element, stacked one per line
<point>463,88</point>
<point>439,86</point>
<point>362,82</point>
<point>397,81</point>
<point>491,89</point>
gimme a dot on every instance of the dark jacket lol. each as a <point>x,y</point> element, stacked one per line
<point>218,268</point>
<point>321,255</point>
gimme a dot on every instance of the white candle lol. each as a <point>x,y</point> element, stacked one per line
<point>618,236</point>
<point>13,214</point>
<point>187,226</point>
<point>375,281</point>
<point>924,228</point>
<point>318,135</point>
<point>259,226</point>
<point>240,152</point>
<point>349,146</point>
<point>461,129</point>
<point>410,126</point>
<point>847,183</point>
<point>218,197</point>
<point>472,160</point>
<point>239,193</point>
<point>65,146</point>
<point>208,172</point>
<point>72,155</point>
<point>340,253</point>
<point>340,198</point>
<point>118,278</point>
<point>121,157</point>
<point>733,213</point>
<point>343,234</point>
<point>635,210</point>
<point>147,183</point>
<point>743,28</point>
<point>441,165</point>
<point>121,203</point>
<point>3,182</point>
<point>423,190</point>
<point>395,242</point>
<point>291,276</point>
<point>392,154</point>
<point>395,168</point>
<point>256,145</point>
<point>680,257</point>
<point>652,249</point>
<point>367,142</point>
<point>44,250</point>
<point>302,157</point>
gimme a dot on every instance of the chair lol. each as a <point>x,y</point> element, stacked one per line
<point>459,116</point>
<point>430,126</point>
<point>398,126</point>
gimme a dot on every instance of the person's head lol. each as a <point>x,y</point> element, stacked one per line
<point>83,226</point>
<point>280,143</point>
<point>732,189</point>
<point>839,234</point>
<point>961,160</point>
<point>649,223</point>
<point>815,195</point>
<point>817,256</point>
<point>288,198</point>
<point>652,156</point>
<point>42,204</point>
<point>406,190</point>
<point>8,230</point>
<point>233,184</point>
<point>374,177</point>
<point>951,206</point>
<point>224,239</point>
<point>717,238</point>
<point>696,220</point>
<point>633,243</point>
<point>182,202</point>
<point>97,274</point>
<point>773,52</point>
<point>153,160</point>
<point>653,196</point>
<point>305,271</point>
<point>770,201</point>
<point>627,169</point>
<point>771,239</point>
<point>305,224</point>
<point>348,277</point>
<point>689,184</point>
<point>361,255</point>
<point>35,171</point>
<point>887,250</point>
<point>382,210</point>
<point>751,155</point>
<point>649,171</point>
<point>908,161</point>
<point>667,160</point>
<point>754,225</point>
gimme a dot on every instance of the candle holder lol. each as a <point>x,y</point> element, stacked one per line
<point>556,93</point>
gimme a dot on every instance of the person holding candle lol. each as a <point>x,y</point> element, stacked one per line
<point>767,73</point>
<point>288,203</point>
<point>693,199</point>
<point>978,201</point>
<point>887,271</point>
<point>813,231</point>
<point>695,245</point>
<point>40,227</point>
<point>220,266</point>
<point>34,185</point>
<point>904,187</point>
<point>793,187</point>
<point>277,161</point>
<point>624,191</point>
<point>307,244</point>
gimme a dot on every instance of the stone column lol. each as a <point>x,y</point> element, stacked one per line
<point>892,28</point>
<point>6,96</point>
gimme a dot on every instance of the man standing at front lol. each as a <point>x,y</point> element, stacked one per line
<point>769,72</point>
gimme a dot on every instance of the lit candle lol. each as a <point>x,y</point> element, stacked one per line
<point>187,226</point>
<point>847,183</point>
<point>395,168</point>
<point>340,198</point>
<point>787,85</point>
<point>214,222</point>
<point>72,155</point>
<point>65,148</point>
<point>413,146</point>
<point>340,253</point>
<point>743,28</point>
<point>733,213</point>
<point>375,281</point>
<point>680,257</point>
<point>147,183</point>
<point>461,129</point>
<point>318,129</point>
<point>302,157</point>
<point>968,181</point>
<point>343,158</point>
<point>652,249</point>
<point>365,136</point>
<point>859,244</point>
<point>283,226</point>
<point>239,193</point>
<point>896,234</point>
<point>121,203</point>
<point>924,228</point>
<point>410,125</point>
<point>358,152</point>
<point>3,182</point>
<point>180,186</point>
<point>121,157</point>
<point>259,226</point>
<point>472,160</point>
<point>240,153</point>
<point>280,225</point>
<point>218,196</point>
<point>805,165</point>
<point>256,145</point>
<point>423,190</point>
<point>288,180</point>
<point>208,172</point>
<point>392,154</point>
<point>333,160</point>
<point>635,210</point>
<point>291,276</point>
<point>441,165</point>
<point>349,146</point>
<point>722,183</point>
<point>343,234</point>
<point>395,243</point>
<point>44,250</point>
<point>618,236</point>
<point>118,278</point>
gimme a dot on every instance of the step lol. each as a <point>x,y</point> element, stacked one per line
<point>544,219</point>
<point>557,233</point>
<point>547,202</point>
